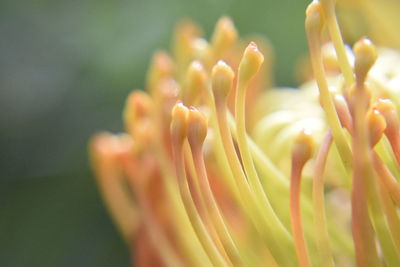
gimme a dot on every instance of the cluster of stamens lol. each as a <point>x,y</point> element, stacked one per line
<point>198,181</point>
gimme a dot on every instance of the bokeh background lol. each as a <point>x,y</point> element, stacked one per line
<point>65,70</point>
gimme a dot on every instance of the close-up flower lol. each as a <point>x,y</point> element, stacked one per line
<point>218,166</point>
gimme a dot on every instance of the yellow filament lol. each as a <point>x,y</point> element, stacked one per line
<point>178,136</point>
<point>313,25</point>
<point>328,8</point>
<point>252,205</point>
<point>201,204</point>
<point>213,208</point>
<point>248,68</point>
<point>278,188</point>
<point>200,229</point>
<point>187,238</point>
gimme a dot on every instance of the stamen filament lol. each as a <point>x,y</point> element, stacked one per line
<point>250,63</point>
<point>363,173</point>
<point>302,152</point>
<point>178,133</point>
<point>388,180</point>
<point>158,237</point>
<point>328,8</point>
<point>103,149</point>
<point>389,208</point>
<point>313,26</point>
<point>200,201</point>
<point>321,236</point>
<point>196,137</point>
<point>267,169</point>
<point>221,86</point>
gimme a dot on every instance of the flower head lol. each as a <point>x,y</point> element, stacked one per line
<point>214,171</point>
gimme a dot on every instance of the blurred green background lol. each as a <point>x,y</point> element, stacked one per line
<point>65,70</point>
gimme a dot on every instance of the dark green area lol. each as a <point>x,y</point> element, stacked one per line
<point>65,70</point>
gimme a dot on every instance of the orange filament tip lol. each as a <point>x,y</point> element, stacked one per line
<point>222,79</point>
<point>138,105</point>
<point>377,125</point>
<point>303,147</point>
<point>197,127</point>
<point>250,64</point>
<point>388,111</point>
<point>179,123</point>
<point>105,147</point>
<point>365,57</point>
<point>160,67</point>
<point>224,35</point>
<point>144,133</point>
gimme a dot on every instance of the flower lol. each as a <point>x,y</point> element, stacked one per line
<point>213,171</point>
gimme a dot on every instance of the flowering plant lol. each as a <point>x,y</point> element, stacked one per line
<point>213,171</point>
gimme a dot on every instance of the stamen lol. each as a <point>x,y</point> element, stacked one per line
<point>138,106</point>
<point>178,136</point>
<point>186,32</point>
<point>363,176</point>
<point>343,112</point>
<point>321,229</point>
<point>363,234</point>
<point>197,131</point>
<point>160,68</point>
<point>138,120</point>
<point>313,26</point>
<point>222,80</point>
<point>388,110</point>
<point>388,179</point>
<point>387,203</point>
<point>328,9</point>
<point>199,201</point>
<point>377,125</point>
<point>196,82</point>
<point>365,53</point>
<point>156,229</point>
<point>302,151</point>
<point>104,148</point>
<point>224,36</point>
<point>249,66</point>
<point>137,112</point>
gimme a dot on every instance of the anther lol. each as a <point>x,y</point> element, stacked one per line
<point>303,148</point>
<point>388,110</point>
<point>250,63</point>
<point>377,125</point>
<point>314,21</point>
<point>196,82</point>
<point>224,36</point>
<point>197,127</point>
<point>365,57</point>
<point>221,79</point>
<point>179,123</point>
<point>138,106</point>
<point>161,67</point>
